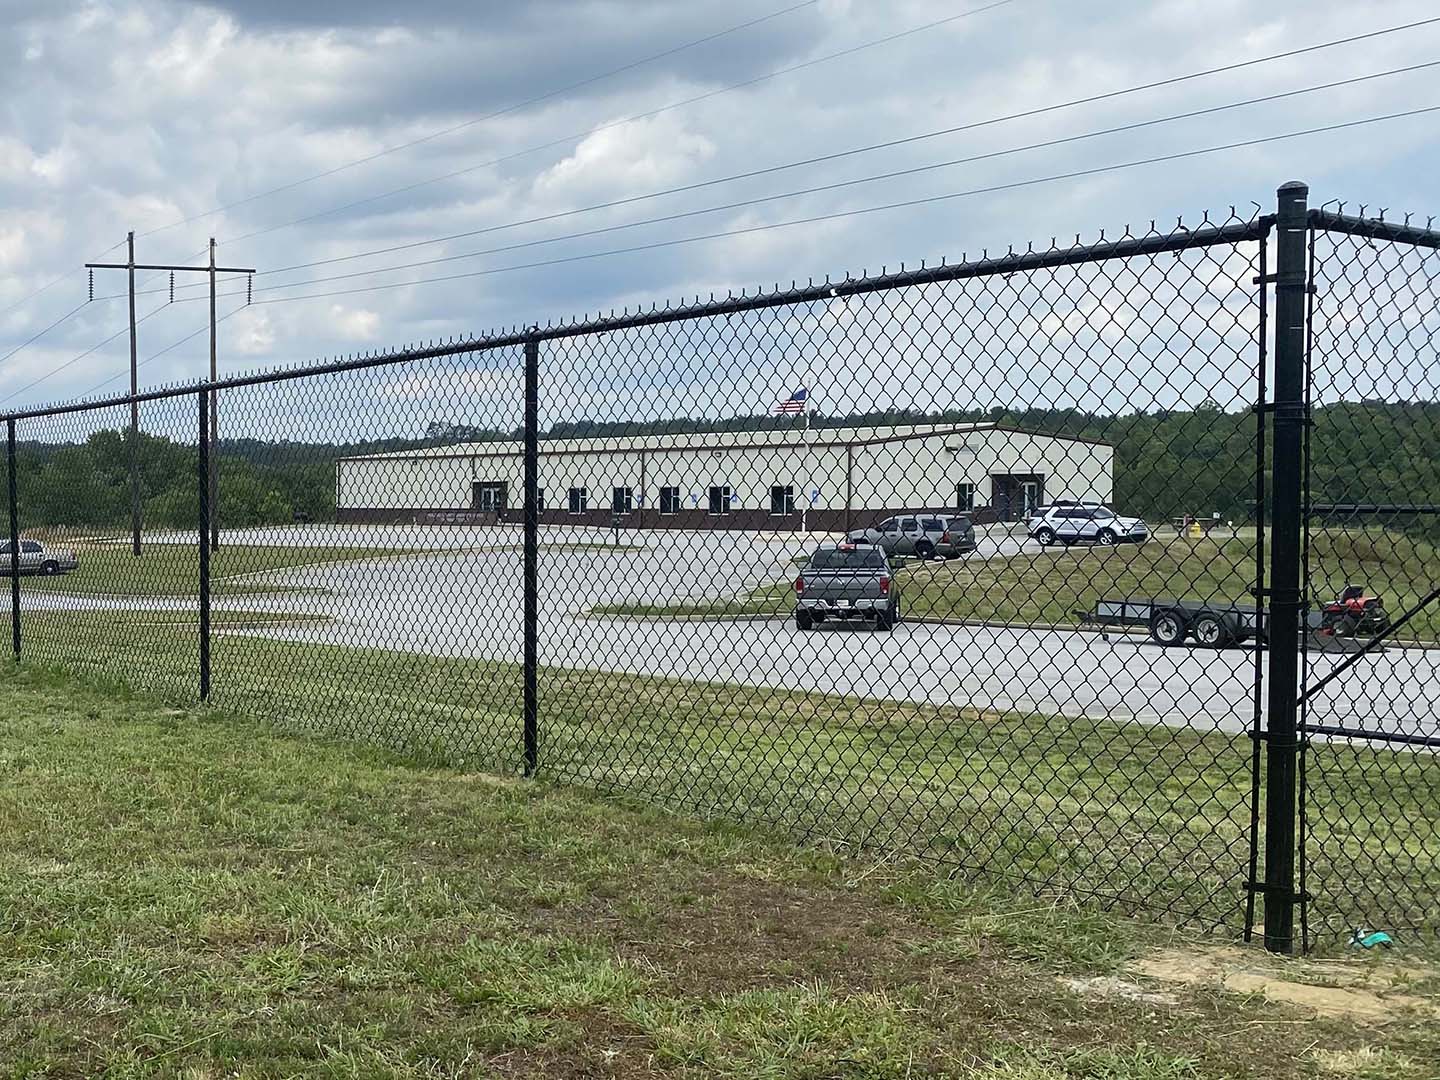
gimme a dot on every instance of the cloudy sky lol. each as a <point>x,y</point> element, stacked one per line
<point>274,126</point>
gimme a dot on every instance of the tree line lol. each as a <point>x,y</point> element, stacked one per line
<point>1167,463</point>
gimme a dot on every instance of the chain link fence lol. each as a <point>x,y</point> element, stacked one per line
<point>982,563</point>
<point>1372,509</point>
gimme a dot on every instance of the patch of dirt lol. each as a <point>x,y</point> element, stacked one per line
<point>740,933</point>
<point>607,1047</point>
<point>1353,991</point>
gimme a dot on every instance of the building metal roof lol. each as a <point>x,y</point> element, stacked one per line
<point>675,442</point>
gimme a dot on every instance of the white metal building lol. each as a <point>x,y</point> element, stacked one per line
<point>825,479</point>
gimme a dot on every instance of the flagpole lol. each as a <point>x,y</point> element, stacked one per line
<point>805,454</point>
<point>809,465</point>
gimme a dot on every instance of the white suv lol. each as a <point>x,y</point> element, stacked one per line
<point>1086,524</point>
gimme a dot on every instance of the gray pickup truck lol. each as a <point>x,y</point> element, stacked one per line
<point>847,581</point>
<point>36,558</point>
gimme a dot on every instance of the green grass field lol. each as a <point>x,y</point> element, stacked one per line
<point>186,894</point>
<point>1150,818</point>
<point>1049,587</point>
<point>174,569</point>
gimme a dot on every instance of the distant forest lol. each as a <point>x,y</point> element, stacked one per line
<point>1198,461</point>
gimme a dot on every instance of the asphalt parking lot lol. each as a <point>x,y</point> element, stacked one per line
<point>465,600</point>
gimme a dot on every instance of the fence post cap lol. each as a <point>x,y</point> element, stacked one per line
<point>1293,187</point>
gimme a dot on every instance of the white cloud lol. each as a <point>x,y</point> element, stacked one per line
<point>633,157</point>
<point>256,96</point>
<point>253,333</point>
<point>354,324</point>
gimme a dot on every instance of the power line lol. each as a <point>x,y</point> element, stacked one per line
<point>837,155</point>
<point>39,334</point>
<point>838,185</point>
<point>489,116</point>
<point>850,51</point>
<point>837,215</point>
<point>168,348</point>
<point>51,284</point>
<point>75,360</point>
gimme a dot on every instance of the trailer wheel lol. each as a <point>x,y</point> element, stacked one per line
<point>1167,628</point>
<point>1210,631</point>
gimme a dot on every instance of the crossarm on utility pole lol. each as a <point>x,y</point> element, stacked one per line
<point>130,266</point>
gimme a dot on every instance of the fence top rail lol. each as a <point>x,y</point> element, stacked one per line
<point>1129,246</point>
<point>1376,228</point>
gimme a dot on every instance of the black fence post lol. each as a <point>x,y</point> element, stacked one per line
<point>1282,746</point>
<point>532,553</point>
<point>14,538</point>
<point>203,492</point>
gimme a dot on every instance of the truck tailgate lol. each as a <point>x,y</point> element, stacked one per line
<point>836,586</point>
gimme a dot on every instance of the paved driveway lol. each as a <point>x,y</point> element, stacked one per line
<point>466,601</point>
<point>469,604</point>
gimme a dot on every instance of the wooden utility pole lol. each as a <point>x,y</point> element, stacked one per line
<point>130,266</point>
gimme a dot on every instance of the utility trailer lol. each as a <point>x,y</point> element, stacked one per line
<point>1170,622</point>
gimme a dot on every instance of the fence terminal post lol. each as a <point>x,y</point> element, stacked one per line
<point>532,553</point>
<point>203,492</point>
<point>14,538</point>
<point>1282,745</point>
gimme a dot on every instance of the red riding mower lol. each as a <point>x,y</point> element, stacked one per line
<point>1354,613</point>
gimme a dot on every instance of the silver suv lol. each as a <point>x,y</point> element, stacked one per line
<point>926,536</point>
<point>36,558</point>
<point>1086,523</point>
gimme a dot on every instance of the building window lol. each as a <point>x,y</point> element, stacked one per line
<point>782,500</point>
<point>669,500</point>
<point>622,500</point>
<point>579,500</point>
<point>720,499</point>
<point>964,496</point>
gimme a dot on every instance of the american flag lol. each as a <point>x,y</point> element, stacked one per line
<point>795,403</point>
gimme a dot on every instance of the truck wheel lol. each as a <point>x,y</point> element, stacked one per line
<point>1106,538</point>
<point>803,620</point>
<point>1210,631</point>
<point>924,550</point>
<point>885,620</point>
<point>50,569</point>
<point>1167,628</point>
<point>1045,536</point>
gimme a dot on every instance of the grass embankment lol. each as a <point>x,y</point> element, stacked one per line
<point>189,895</point>
<point>1153,817</point>
<point>173,570</point>
<point>1048,587</point>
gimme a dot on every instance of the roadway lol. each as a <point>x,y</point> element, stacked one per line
<point>465,601</point>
